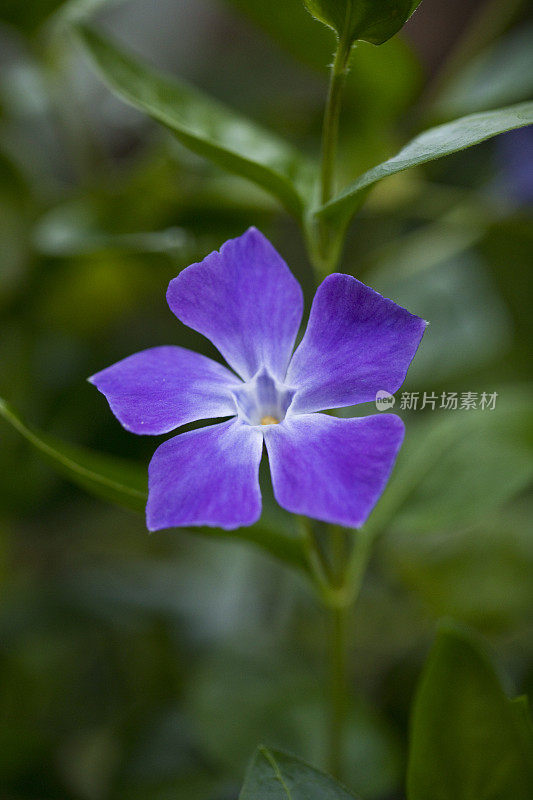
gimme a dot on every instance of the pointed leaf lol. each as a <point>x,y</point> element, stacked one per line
<point>115,479</point>
<point>202,124</point>
<point>468,740</point>
<point>430,145</point>
<point>373,21</point>
<point>125,483</point>
<point>273,775</point>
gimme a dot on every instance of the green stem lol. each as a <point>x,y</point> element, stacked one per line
<point>316,561</point>
<point>338,581</point>
<point>323,249</point>
<point>330,130</point>
<point>357,564</point>
<point>338,702</point>
<point>344,589</point>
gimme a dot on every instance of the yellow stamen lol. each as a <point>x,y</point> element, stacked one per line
<point>268,420</point>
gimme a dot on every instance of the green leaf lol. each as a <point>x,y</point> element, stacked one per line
<point>259,686</point>
<point>118,480</point>
<point>433,268</point>
<point>480,575</point>
<point>459,467</point>
<point>428,146</point>
<point>273,775</point>
<point>73,230</point>
<point>501,74</point>
<point>456,534</point>
<point>373,21</point>
<point>381,83</point>
<point>520,707</point>
<point>468,740</point>
<point>125,483</point>
<point>28,16</point>
<point>474,476</point>
<point>203,125</point>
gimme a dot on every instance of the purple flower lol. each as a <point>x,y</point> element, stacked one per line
<point>247,302</point>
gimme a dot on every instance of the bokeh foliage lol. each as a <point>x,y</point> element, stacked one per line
<point>150,667</point>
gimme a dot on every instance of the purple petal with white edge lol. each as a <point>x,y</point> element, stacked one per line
<point>356,343</point>
<point>245,300</point>
<point>207,477</point>
<point>332,469</point>
<point>159,389</point>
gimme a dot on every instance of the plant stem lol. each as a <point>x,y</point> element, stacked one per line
<point>318,567</point>
<point>324,249</point>
<point>338,689</point>
<point>357,564</point>
<point>348,575</point>
<point>330,130</point>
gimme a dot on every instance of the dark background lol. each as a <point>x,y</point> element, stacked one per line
<point>150,666</point>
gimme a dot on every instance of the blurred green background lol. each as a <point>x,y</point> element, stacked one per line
<point>136,666</point>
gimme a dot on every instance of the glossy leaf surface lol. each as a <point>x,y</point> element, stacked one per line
<point>428,146</point>
<point>202,124</point>
<point>372,21</point>
<point>468,740</point>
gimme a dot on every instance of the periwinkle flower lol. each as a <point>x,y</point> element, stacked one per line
<point>247,302</point>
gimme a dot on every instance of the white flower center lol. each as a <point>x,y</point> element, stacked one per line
<point>262,400</point>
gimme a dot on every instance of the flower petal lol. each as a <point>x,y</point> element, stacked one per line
<point>356,343</point>
<point>157,390</point>
<point>208,477</point>
<point>245,300</point>
<point>332,469</point>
